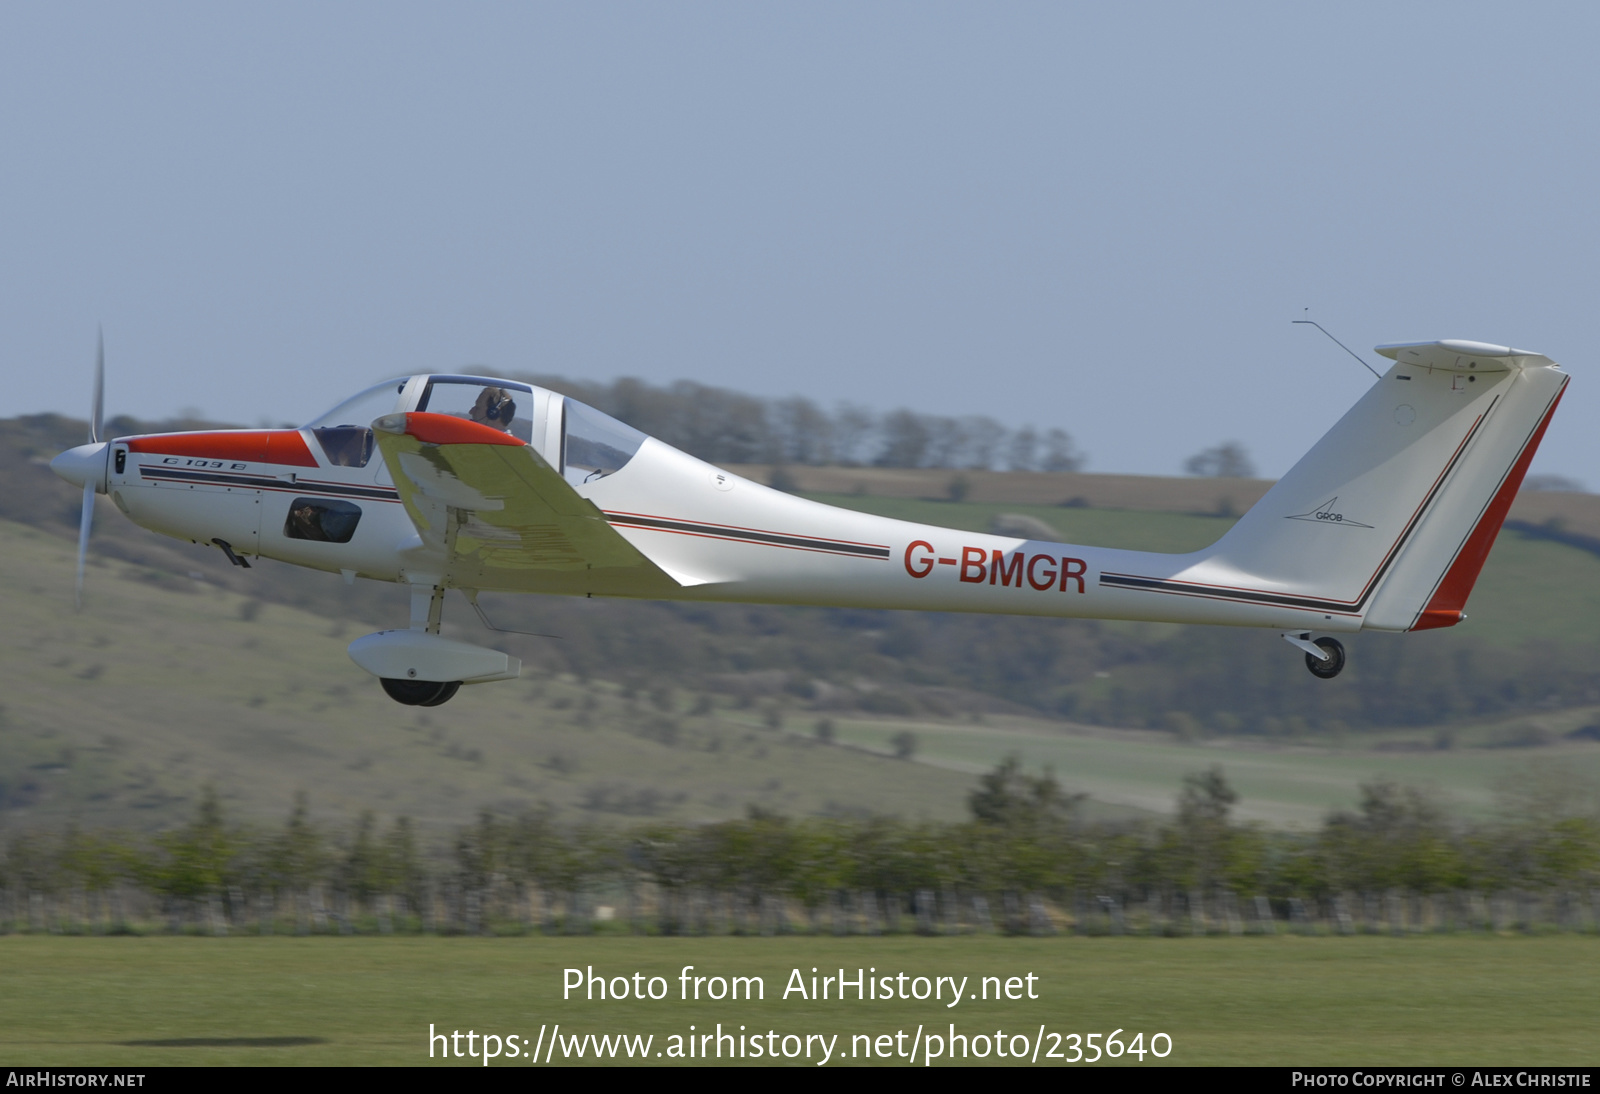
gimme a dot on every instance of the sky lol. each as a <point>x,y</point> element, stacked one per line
<point>1092,216</point>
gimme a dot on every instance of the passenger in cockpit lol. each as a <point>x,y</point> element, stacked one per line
<point>494,407</point>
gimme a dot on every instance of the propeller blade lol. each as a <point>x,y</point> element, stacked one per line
<point>96,427</point>
<point>97,407</point>
<point>83,540</point>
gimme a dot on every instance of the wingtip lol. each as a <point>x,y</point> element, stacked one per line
<point>444,429</point>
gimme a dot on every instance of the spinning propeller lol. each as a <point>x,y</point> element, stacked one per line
<point>86,464</point>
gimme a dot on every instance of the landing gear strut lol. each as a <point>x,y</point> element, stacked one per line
<point>1324,657</point>
<point>418,666</point>
<point>427,606</point>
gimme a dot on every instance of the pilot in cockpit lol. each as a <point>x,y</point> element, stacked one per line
<point>494,407</point>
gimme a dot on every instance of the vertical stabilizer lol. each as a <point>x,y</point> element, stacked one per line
<point>1386,522</point>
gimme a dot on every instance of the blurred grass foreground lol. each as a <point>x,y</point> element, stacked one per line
<point>1362,1000</point>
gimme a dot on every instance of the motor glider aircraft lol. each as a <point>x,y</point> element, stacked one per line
<point>484,485</point>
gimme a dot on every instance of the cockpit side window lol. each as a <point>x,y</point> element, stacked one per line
<point>594,445</point>
<point>498,404</point>
<point>345,445</point>
<point>324,520</point>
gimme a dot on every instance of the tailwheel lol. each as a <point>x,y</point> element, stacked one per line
<point>420,693</point>
<point>1333,666</point>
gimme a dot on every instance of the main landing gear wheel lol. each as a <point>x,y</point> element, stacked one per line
<point>420,693</point>
<point>1323,670</point>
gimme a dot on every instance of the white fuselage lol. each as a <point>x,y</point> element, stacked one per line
<point>1384,523</point>
<point>728,538</point>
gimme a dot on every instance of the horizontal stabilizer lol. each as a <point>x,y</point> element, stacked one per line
<point>1455,355</point>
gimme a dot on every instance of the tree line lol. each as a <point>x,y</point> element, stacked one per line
<point>722,426</point>
<point>1027,861</point>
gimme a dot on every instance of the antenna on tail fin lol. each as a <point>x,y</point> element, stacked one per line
<point>1341,345</point>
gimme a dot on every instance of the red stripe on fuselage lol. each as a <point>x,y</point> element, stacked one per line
<point>280,446</point>
<point>1444,610</point>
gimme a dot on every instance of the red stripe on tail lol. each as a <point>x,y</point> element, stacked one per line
<point>1444,610</point>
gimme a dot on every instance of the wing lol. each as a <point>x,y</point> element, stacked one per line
<point>502,516</point>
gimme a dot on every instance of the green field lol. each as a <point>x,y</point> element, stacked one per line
<point>1286,785</point>
<point>1288,1000</point>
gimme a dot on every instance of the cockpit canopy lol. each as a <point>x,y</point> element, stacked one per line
<point>593,445</point>
<point>576,439</point>
<point>501,404</point>
<point>345,432</point>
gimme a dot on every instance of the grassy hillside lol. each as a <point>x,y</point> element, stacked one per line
<point>119,714</point>
<point>1133,529</point>
<point>1146,493</point>
<point>184,670</point>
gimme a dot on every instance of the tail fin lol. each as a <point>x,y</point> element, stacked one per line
<point>1389,518</point>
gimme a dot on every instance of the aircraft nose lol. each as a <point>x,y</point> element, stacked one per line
<point>83,465</point>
